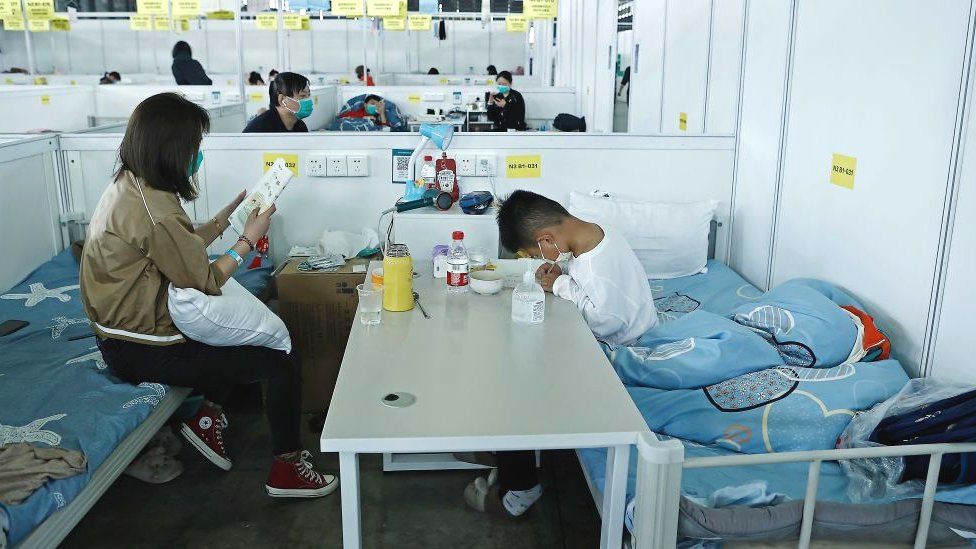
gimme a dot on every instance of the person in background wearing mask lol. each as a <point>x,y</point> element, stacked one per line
<point>374,107</point>
<point>254,79</point>
<point>140,241</point>
<point>492,71</point>
<point>186,70</point>
<point>506,108</point>
<point>369,75</point>
<point>291,102</point>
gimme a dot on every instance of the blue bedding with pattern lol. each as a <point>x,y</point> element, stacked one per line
<point>55,391</point>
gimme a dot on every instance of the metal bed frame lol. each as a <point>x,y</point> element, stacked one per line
<point>56,527</point>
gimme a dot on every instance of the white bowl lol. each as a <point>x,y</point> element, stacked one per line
<point>487,282</point>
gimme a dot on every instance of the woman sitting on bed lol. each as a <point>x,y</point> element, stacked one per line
<point>140,240</point>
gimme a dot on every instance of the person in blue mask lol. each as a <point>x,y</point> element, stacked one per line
<point>291,103</point>
<point>374,108</point>
<point>506,108</point>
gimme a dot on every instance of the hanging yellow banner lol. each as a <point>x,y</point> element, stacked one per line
<point>152,7</point>
<point>540,9</point>
<point>188,8</point>
<point>394,23</point>
<point>140,23</point>
<point>516,23</point>
<point>419,22</point>
<point>347,8</point>
<point>382,8</point>
<point>306,23</point>
<point>266,21</point>
<point>39,25</point>
<point>161,23</point>
<point>221,15</point>
<point>39,10</point>
<point>61,23</point>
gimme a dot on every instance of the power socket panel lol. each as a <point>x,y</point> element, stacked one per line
<point>466,164</point>
<point>336,166</point>
<point>357,165</point>
<point>485,166</point>
<point>316,165</point>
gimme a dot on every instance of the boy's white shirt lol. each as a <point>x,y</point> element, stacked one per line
<point>609,286</point>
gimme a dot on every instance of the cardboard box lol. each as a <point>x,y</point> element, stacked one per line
<point>319,310</point>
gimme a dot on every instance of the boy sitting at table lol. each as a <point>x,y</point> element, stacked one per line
<point>591,266</point>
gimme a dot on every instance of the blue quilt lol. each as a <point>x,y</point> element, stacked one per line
<point>58,392</point>
<point>394,118</point>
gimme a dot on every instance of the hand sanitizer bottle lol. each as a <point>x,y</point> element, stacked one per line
<point>528,301</point>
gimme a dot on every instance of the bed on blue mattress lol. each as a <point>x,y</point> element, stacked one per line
<point>748,409</point>
<point>55,389</point>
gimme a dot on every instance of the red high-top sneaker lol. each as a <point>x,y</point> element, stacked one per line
<point>299,479</point>
<point>204,432</point>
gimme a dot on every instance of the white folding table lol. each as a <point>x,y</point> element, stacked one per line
<point>481,382</point>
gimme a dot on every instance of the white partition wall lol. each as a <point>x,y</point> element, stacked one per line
<point>629,166</point>
<point>29,208</point>
<point>57,108</point>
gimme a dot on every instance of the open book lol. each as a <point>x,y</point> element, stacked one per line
<point>262,195</point>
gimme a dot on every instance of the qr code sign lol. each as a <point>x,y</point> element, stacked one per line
<point>401,165</point>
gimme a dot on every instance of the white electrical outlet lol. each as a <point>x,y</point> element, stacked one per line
<point>315,165</point>
<point>336,166</point>
<point>357,165</point>
<point>486,165</point>
<point>466,164</point>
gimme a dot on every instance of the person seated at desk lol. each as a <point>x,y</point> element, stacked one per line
<point>186,70</point>
<point>600,274</point>
<point>374,108</point>
<point>506,108</point>
<point>140,241</point>
<point>492,71</point>
<point>254,79</point>
<point>291,102</point>
<point>433,71</point>
<point>369,75</point>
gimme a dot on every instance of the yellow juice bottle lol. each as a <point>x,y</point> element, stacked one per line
<point>397,279</point>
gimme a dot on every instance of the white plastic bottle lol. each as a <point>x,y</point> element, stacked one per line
<point>528,301</point>
<point>457,265</point>
<point>427,171</point>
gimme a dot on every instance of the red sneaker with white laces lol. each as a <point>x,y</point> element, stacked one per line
<point>298,479</point>
<point>205,433</point>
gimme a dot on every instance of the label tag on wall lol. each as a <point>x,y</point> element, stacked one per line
<point>347,8</point>
<point>419,22</point>
<point>39,9</point>
<point>540,9</point>
<point>189,8</point>
<point>414,98</point>
<point>401,161</point>
<point>516,23</point>
<point>842,170</point>
<point>291,161</point>
<point>266,21</point>
<point>292,21</point>
<point>382,8</point>
<point>45,100</point>
<point>140,23</point>
<point>61,24</point>
<point>152,7</point>
<point>38,25</point>
<point>683,121</point>
<point>523,166</point>
<point>394,23</point>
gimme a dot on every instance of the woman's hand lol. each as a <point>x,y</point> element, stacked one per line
<point>500,102</point>
<point>224,215</point>
<point>381,110</point>
<point>257,225</point>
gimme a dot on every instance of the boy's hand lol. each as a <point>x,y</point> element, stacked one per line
<point>547,275</point>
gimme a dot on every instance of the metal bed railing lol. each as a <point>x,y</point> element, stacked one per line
<point>660,464</point>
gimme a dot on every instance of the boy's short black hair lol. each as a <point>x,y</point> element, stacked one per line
<point>372,97</point>
<point>288,84</point>
<point>523,214</point>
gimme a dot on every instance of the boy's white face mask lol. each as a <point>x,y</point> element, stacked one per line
<point>562,257</point>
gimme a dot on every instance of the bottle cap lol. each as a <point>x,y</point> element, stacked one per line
<point>458,235</point>
<point>428,157</point>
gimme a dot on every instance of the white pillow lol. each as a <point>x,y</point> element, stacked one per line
<point>670,240</point>
<point>234,318</point>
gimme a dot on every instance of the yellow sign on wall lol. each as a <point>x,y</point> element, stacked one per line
<point>414,98</point>
<point>291,161</point>
<point>38,25</point>
<point>383,8</point>
<point>221,15</point>
<point>188,8</point>
<point>523,166</point>
<point>39,9</point>
<point>347,8</point>
<point>516,23</point>
<point>292,21</point>
<point>15,24</point>
<point>256,97</point>
<point>683,121</point>
<point>266,21</point>
<point>394,23</point>
<point>152,7</point>
<point>60,23</point>
<point>842,170</point>
<point>306,23</point>
<point>540,9</point>
<point>419,22</point>
<point>161,23</point>
<point>10,9</point>
<point>140,23</point>
<point>45,100</point>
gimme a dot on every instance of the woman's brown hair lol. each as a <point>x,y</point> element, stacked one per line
<point>161,143</point>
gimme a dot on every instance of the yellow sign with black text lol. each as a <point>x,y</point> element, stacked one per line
<point>10,9</point>
<point>842,170</point>
<point>419,22</point>
<point>292,21</point>
<point>39,10</point>
<point>383,8</point>
<point>140,23</point>
<point>394,23</point>
<point>540,9</point>
<point>306,23</point>
<point>266,21</point>
<point>60,24</point>
<point>45,100</point>
<point>516,23</point>
<point>38,25</point>
<point>291,161</point>
<point>523,166</point>
<point>683,121</point>
<point>186,8</point>
<point>152,7</point>
<point>161,23</point>
<point>347,8</point>
<point>15,24</point>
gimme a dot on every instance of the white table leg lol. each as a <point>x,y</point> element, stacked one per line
<point>614,496</point>
<point>349,486</point>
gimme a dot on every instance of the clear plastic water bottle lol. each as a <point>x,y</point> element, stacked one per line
<point>457,265</point>
<point>528,301</point>
<point>428,172</point>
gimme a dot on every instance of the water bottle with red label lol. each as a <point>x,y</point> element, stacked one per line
<point>457,265</point>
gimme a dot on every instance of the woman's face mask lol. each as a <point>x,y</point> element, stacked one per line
<point>371,109</point>
<point>195,164</point>
<point>502,89</point>
<point>304,107</point>
<point>561,257</point>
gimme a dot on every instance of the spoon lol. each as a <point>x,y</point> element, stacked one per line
<point>416,299</point>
